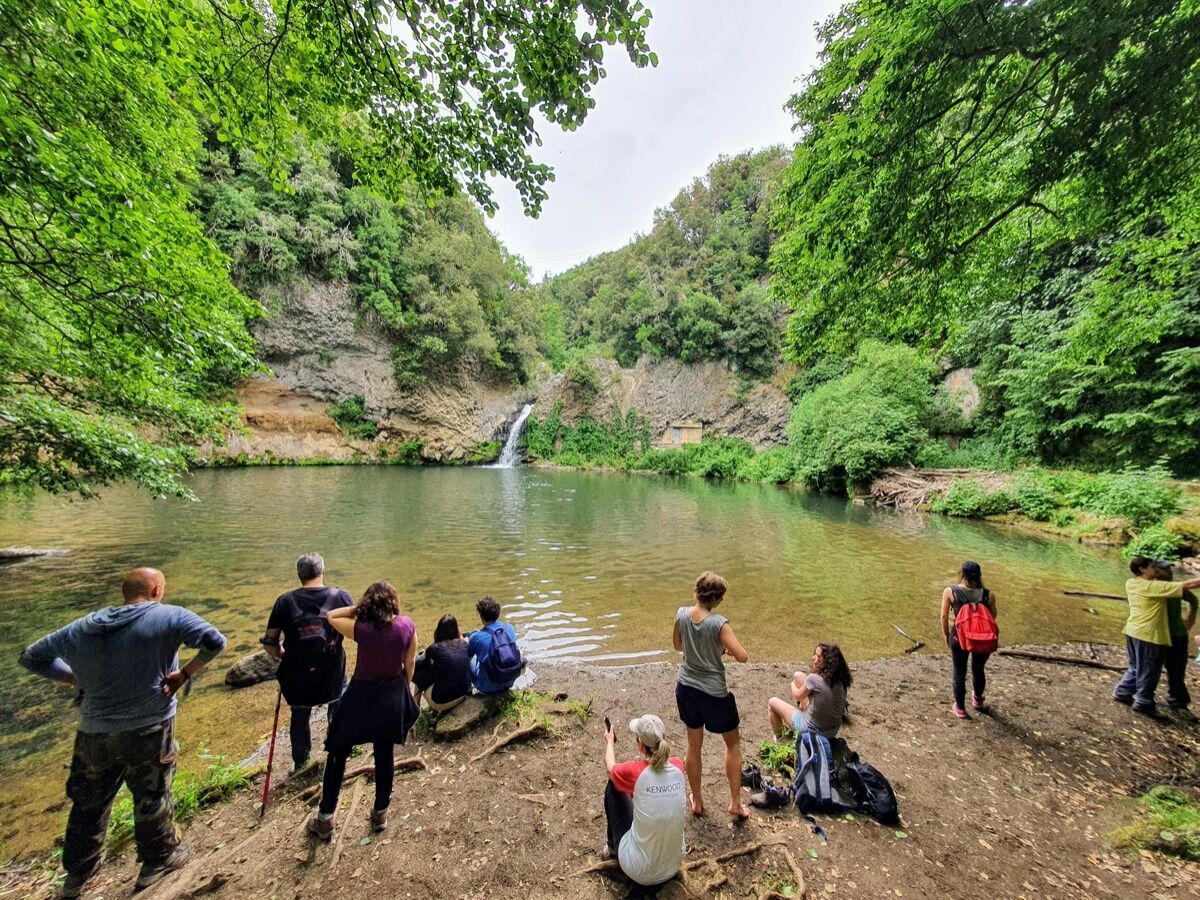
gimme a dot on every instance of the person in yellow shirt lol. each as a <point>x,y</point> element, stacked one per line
<point>1147,632</point>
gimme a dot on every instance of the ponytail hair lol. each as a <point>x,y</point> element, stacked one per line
<point>658,758</point>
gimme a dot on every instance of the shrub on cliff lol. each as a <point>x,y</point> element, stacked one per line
<point>848,428</point>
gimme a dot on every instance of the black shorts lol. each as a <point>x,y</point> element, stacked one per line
<point>717,715</point>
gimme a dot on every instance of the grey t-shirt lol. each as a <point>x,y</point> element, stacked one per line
<point>826,705</point>
<point>702,668</point>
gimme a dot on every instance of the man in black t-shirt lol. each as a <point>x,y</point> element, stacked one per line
<point>312,669</point>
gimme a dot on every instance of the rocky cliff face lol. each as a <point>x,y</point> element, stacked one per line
<point>668,391</point>
<point>316,347</point>
<point>319,353</point>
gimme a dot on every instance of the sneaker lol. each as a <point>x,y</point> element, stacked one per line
<point>607,852</point>
<point>150,874</point>
<point>771,797</point>
<point>977,701</point>
<point>1150,712</point>
<point>320,828</point>
<point>378,819</point>
<point>959,711</point>
<point>752,777</point>
<point>1127,699</point>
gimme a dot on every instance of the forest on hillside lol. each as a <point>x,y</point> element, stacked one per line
<point>1005,187</point>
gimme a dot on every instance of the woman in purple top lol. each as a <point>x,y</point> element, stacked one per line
<point>377,707</point>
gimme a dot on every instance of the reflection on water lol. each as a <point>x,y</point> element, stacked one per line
<point>588,568</point>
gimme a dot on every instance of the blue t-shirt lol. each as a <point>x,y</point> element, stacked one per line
<point>479,646</point>
<point>120,656</point>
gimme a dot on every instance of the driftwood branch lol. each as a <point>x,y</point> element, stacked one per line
<point>312,794</point>
<point>521,734</point>
<point>1093,594</point>
<point>1062,660</point>
<point>337,851</point>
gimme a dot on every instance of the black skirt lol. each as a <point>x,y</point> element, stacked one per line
<point>372,712</point>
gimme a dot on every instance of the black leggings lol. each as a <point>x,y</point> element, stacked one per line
<point>618,810</point>
<point>978,676</point>
<point>335,771</point>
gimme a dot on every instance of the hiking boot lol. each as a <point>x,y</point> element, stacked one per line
<point>1151,712</point>
<point>977,701</point>
<point>1183,714</point>
<point>150,874</point>
<point>752,777</point>
<point>1127,699</point>
<point>771,797</point>
<point>73,886</point>
<point>378,819</point>
<point>320,828</point>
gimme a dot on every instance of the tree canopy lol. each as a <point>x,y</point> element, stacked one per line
<point>119,321</point>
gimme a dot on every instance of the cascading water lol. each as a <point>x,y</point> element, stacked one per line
<point>508,456</point>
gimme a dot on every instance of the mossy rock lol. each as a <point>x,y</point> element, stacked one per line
<point>467,716</point>
<point>1186,526</point>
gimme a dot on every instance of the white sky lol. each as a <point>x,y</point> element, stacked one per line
<point>725,69</point>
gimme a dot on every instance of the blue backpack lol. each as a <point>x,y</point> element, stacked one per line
<point>503,663</point>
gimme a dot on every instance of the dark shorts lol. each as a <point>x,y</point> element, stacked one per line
<point>697,709</point>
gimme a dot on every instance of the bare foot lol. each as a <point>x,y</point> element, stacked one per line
<point>697,807</point>
<point>739,810</point>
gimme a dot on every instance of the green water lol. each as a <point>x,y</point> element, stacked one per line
<point>589,568</point>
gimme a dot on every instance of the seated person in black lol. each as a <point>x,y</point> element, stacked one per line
<point>443,672</point>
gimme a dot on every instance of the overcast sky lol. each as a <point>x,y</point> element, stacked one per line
<point>725,69</point>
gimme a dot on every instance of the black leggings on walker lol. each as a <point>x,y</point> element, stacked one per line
<point>335,771</point>
<point>978,676</point>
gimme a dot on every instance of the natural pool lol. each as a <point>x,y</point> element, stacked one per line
<point>590,568</point>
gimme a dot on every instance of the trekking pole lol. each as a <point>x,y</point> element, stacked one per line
<point>271,756</point>
<point>916,645</point>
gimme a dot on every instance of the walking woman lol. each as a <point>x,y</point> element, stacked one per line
<point>645,804</point>
<point>969,590</point>
<point>377,707</point>
<point>702,694</point>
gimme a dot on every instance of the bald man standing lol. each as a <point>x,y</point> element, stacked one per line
<point>124,660</point>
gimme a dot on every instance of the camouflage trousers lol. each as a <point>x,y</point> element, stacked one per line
<point>145,761</point>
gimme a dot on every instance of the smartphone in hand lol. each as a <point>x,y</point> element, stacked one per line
<point>607,725</point>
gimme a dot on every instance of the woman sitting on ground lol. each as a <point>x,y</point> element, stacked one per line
<point>969,589</point>
<point>377,707</point>
<point>820,696</point>
<point>443,670</point>
<point>645,803</point>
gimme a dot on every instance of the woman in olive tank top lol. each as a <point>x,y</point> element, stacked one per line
<point>702,695</point>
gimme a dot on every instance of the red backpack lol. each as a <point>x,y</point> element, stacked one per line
<point>975,626</point>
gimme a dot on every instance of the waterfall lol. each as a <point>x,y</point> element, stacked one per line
<point>508,456</point>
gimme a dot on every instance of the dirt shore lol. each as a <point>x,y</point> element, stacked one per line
<point>1016,802</point>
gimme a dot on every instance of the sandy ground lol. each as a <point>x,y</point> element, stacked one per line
<point>1016,802</point>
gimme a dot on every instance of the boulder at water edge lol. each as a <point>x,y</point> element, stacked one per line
<point>251,670</point>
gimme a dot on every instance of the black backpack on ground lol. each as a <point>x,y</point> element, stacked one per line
<point>503,663</point>
<point>872,793</point>
<point>313,669</point>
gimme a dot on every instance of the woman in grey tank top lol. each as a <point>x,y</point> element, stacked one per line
<point>702,694</point>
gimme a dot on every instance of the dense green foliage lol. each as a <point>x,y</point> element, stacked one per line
<point>119,323</point>
<point>876,415</point>
<point>691,288</point>
<point>191,794</point>
<point>351,417</point>
<point>1013,184</point>
<point>432,274</point>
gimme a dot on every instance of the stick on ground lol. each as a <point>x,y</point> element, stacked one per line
<point>337,851</point>
<point>520,734</point>
<point>1061,660</point>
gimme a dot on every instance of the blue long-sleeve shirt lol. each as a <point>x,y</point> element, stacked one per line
<point>119,657</point>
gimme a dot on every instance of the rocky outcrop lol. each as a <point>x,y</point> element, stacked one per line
<point>321,351</point>
<point>962,389</point>
<point>668,391</point>
<point>252,669</point>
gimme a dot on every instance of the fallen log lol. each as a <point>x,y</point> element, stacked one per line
<point>520,734</point>
<point>1061,660</point>
<point>1092,594</point>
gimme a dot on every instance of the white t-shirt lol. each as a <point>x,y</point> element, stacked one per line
<point>651,852</point>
